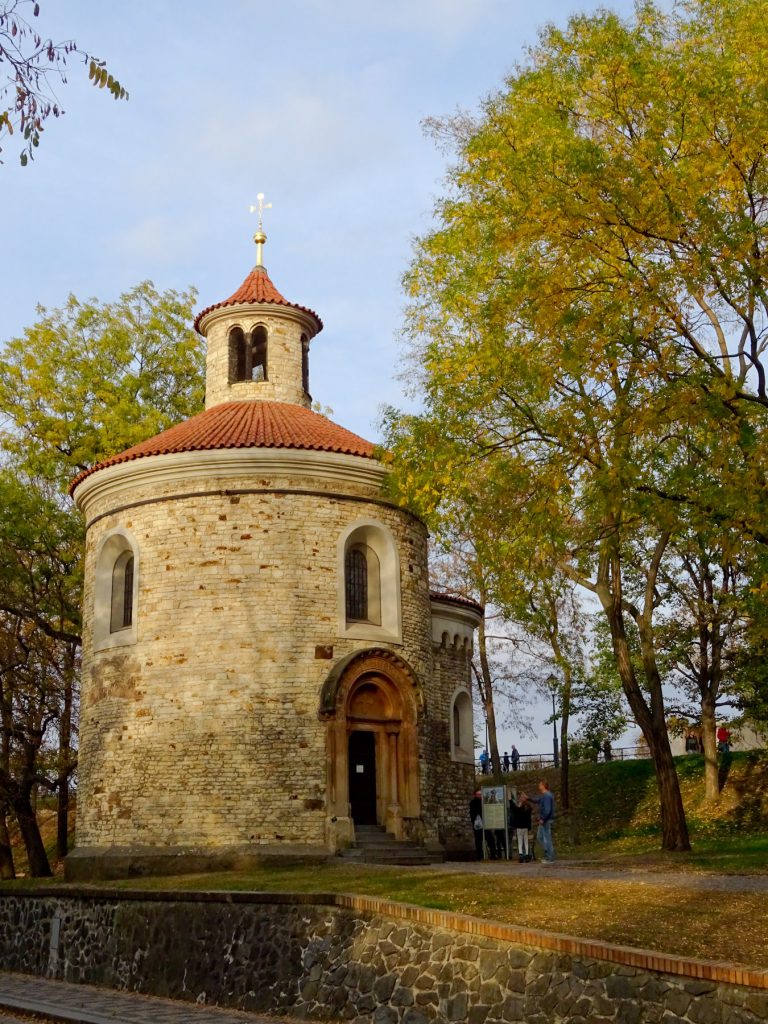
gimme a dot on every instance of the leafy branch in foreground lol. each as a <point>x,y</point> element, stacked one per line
<point>31,67</point>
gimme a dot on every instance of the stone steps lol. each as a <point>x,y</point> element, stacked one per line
<point>375,846</point>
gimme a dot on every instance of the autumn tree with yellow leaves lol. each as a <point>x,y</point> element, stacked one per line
<point>588,318</point>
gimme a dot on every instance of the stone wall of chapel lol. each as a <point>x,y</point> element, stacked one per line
<point>284,374</point>
<point>447,787</point>
<point>206,731</point>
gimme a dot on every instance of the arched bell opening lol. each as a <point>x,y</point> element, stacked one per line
<point>372,747</point>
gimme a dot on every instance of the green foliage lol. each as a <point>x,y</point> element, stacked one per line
<point>41,543</point>
<point>91,379</point>
<point>588,323</point>
<point>84,382</point>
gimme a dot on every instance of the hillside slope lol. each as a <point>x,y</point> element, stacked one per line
<point>619,800</point>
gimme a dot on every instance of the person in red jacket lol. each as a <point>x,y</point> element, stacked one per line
<point>723,740</point>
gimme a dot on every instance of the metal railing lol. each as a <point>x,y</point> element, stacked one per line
<point>532,762</point>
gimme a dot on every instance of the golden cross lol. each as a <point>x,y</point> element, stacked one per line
<point>260,238</point>
<point>260,208</point>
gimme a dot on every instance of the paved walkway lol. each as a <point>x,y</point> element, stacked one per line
<point>585,871</point>
<point>86,1004</point>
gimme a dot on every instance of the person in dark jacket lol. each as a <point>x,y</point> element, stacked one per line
<point>520,821</point>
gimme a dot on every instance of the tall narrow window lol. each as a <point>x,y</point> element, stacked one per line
<point>461,727</point>
<point>368,582</point>
<point>356,581</point>
<point>305,363</point>
<point>122,593</point>
<point>237,355</point>
<point>259,354</point>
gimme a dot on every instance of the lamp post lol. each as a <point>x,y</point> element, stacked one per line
<point>552,682</point>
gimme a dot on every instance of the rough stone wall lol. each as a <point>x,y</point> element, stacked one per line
<point>206,731</point>
<point>323,962</point>
<point>284,381</point>
<point>448,790</point>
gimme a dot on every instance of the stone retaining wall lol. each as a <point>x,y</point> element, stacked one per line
<point>360,959</point>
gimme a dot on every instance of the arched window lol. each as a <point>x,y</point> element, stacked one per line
<point>369,582</point>
<point>237,355</point>
<point>305,363</point>
<point>122,593</point>
<point>462,736</point>
<point>259,354</point>
<point>362,585</point>
<point>115,591</point>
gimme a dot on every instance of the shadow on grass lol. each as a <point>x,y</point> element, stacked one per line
<point>724,768</point>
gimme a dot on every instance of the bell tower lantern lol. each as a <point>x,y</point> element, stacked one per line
<point>258,342</point>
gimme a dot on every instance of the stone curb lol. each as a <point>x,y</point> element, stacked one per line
<point>645,959</point>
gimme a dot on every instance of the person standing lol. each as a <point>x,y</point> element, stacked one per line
<point>476,817</point>
<point>723,740</point>
<point>506,762</point>
<point>520,814</point>
<point>515,758</point>
<point>546,807</point>
<point>484,762</point>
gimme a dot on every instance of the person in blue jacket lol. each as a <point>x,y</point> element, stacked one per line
<point>546,807</point>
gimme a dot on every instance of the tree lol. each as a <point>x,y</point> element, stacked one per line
<point>40,590</point>
<point>85,382</point>
<point>459,566</point>
<point>32,64</point>
<point>705,630</point>
<point>590,314</point>
<point>91,379</point>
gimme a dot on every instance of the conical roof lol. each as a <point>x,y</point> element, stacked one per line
<point>257,288</point>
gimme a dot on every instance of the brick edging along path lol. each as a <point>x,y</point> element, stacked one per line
<point>716,971</point>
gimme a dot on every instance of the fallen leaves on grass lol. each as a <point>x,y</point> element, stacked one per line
<point>729,926</point>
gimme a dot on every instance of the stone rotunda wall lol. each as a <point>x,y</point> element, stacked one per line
<point>205,732</point>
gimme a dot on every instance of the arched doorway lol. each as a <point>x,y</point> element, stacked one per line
<point>371,703</point>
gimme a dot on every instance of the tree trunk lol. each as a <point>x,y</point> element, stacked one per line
<point>565,710</point>
<point>37,858</point>
<point>7,869</point>
<point>651,719</point>
<point>709,739</point>
<point>674,828</point>
<point>486,687</point>
<point>565,798</point>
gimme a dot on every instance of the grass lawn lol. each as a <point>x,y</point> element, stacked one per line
<point>741,854</point>
<point>614,816</point>
<point>719,926</point>
<point>614,822</point>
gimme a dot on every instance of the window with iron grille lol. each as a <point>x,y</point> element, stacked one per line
<point>356,584</point>
<point>122,593</point>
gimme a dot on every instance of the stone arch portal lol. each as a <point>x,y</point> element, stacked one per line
<point>371,703</point>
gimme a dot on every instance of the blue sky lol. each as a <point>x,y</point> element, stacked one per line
<point>317,103</point>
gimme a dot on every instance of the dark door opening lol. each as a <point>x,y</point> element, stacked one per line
<point>362,777</point>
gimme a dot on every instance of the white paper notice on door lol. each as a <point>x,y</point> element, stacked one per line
<point>359,768</point>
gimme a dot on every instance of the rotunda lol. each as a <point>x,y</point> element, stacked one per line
<point>265,671</point>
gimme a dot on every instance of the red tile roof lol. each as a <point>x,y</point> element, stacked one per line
<point>465,602</point>
<point>257,287</point>
<point>255,424</point>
